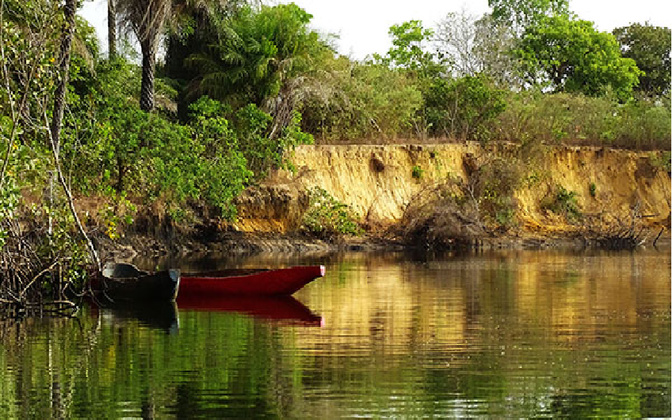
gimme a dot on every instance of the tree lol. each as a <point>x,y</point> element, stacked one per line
<point>569,55</point>
<point>456,40</point>
<point>69,12</point>
<point>649,46</point>
<point>263,58</point>
<point>492,49</point>
<point>520,14</point>
<point>463,108</point>
<point>147,19</point>
<point>112,28</point>
<point>408,46</point>
<point>475,46</point>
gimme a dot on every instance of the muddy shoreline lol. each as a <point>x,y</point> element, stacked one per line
<point>238,244</point>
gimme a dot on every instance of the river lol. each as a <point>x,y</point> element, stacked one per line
<point>513,334</point>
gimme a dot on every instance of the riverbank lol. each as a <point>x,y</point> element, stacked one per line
<point>499,196</point>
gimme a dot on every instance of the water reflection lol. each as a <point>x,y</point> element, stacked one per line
<point>502,334</point>
<point>158,315</point>
<point>283,309</point>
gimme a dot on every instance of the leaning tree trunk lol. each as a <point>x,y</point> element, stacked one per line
<point>112,28</point>
<point>147,86</point>
<point>69,11</point>
<point>59,106</point>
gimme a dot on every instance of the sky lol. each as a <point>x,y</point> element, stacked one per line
<point>362,25</point>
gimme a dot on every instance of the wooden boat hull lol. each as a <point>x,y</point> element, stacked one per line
<point>125,283</point>
<point>282,282</point>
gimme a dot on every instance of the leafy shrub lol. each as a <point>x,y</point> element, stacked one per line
<point>582,120</point>
<point>327,217</point>
<point>497,181</point>
<point>355,101</point>
<point>417,172</point>
<point>261,151</point>
<point>661,160</point>
<point>9,200</point>
<point>564,203</point>
<point>463,108</point>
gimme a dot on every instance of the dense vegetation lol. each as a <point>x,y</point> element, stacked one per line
<point>241,84</point>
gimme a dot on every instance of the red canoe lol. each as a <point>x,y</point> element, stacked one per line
<point>259,282</point>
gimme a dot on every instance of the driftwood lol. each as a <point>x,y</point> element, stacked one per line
<point>617,235</point>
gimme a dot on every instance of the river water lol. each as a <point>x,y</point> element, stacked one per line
<point>513,334</point>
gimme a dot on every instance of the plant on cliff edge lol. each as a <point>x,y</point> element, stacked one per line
<point>327,217</point>
<point>564,203</point>
<point>417,172</point>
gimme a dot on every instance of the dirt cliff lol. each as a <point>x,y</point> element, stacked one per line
<point>378,183</point>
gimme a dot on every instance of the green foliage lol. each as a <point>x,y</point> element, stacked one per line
<point>260,51</point>
<point>199,161</point>
<point>578,119</point>
<point>327,217</point>
<point>569,55</point>
<point>649,46</point>
<point>563,202</point>
<point>592,189</point>
<point>417,172</point>
<point>463,108</point>
<point>407,46</point>
<point>9,200</point>
<point>261,151</point>
<point>521,14</point>
<point>662,160</point>
<point>495,183</point>
<point>146,155</point>
<point>355,101</point>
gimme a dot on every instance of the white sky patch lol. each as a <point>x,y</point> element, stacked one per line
<point>362,25</point>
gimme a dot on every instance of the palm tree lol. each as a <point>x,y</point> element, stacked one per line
<point>112,28</point>
<point>147,19</point>
<point>263,58</point>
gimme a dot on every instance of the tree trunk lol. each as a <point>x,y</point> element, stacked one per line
<point>59,106</point>
<point>147,86</point>
<point>112,28</point>
<point>69,11</point>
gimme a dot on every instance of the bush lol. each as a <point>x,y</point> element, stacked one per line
<point>355,101</point>
<point>581,120</point>
<point>495,182</point>
<point>261,151</point>
<point>563,202</point>
<point>327,217</point>
<point>463,108</point>
<point>417,172</point>
<point>661,160</point>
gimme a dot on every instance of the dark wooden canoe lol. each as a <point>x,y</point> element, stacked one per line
<point>124,282</point>
<point>258,282</point>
